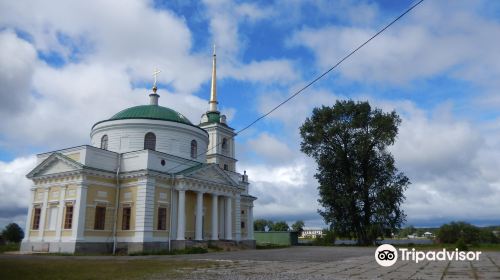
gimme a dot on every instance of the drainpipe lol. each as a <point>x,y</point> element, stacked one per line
<point>117,197</point>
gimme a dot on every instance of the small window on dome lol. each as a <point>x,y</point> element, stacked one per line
<point>104,142</point>
<point>150,141</point>
<point>194,149</point>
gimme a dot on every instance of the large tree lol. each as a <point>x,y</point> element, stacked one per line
<point>13,233</point>
<point>361,190</point>
<point>298,226</point>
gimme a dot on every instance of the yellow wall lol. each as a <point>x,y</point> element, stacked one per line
<point>132,205</point>
<point>92,196</point>
<point>103,180</point>
<point>190,210</point>
<point>165,202</point>
<point>207,223</point>
<point>74,156</point>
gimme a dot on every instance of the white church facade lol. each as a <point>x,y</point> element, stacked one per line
<point>149,180</point>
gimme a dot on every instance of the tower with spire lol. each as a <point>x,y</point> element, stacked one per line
<point>221,148</point>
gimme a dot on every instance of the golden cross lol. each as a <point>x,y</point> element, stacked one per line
<point>155,74</point>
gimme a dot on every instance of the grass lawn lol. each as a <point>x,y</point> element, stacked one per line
<point>9,247</point>
<point>77,268</point>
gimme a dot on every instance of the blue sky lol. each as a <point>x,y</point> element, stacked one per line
<point>65,65</point>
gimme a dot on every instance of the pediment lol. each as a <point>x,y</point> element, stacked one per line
<point>54,164</point>
<point>212,173</point>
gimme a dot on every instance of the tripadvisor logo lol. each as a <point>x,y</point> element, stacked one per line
<point>387,255</point>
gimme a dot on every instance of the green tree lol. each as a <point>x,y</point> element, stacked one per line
<point>409,230</point>
<point>260,224</point>
<point>454,231</point>
<point>280,226</point>
<point>13,233</point>
<point>298,226</point>
<point>361,190</point>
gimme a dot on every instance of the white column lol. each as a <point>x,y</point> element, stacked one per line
<point>215,218</point>
<point>43,214</point>
<point>60,223</point>
<point>229,224</point>
<point>144,208</point>
<point>181,215</point>
<point>250,223</point>
<point>80,210</point>
<point>29,219</point>
<point>237,217</point>
<point>199,216</point>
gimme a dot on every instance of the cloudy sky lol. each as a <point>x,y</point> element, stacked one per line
<point>65,65</point>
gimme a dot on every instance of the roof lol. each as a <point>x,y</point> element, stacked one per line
<point>152,112</point>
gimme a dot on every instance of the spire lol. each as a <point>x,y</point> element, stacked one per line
<point>153,97</point>
<point>213,90</point>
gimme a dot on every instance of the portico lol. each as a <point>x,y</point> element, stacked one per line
<point>216,210</point>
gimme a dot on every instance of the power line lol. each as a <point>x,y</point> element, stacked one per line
<point>317,78</point>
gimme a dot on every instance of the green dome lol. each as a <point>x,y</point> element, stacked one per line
<point>153,112</point>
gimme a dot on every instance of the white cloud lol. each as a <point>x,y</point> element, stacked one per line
<point>224,18</point>
<point>17,65</point>
<point>15,189</point>
<point>436,38</point>
<point>285,191</point>
<point>270,149</point>
<point>266,71</point>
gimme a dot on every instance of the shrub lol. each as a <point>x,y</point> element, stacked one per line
<point>13,233</point>
<point>451,233</point>
<point>327,239</point>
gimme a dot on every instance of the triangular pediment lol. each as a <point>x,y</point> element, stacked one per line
<point>212,173</point>
<point>54,164</point>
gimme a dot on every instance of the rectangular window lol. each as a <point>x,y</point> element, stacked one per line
<point>242,224</point>
<point>126,218</point>
<point>162,218</point>
<point>100,217</point>
<point>68,218</point>
<point>52,218</point>
<point>36,218</point>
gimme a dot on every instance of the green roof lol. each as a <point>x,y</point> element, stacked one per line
<point>153,112</point>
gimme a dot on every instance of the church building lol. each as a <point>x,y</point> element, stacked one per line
<point>150,180</point>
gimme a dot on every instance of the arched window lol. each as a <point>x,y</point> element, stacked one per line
<point>150,141</point>
<point>104,142</point>
<point>224,144</point>
<point>194,149</point>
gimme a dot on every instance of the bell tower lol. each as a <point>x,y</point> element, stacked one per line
<point>221,149</point>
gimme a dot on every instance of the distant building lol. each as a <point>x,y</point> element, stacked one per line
<point>311,233</point>
<point>428,234</point>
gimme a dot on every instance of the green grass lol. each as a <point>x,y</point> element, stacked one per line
<point>41,268</point>
<point>191,250</point>
<point>270,246</point>
<point>9,247</point>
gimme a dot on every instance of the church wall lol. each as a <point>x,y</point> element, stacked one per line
<point>207,222</point>
<point>244,219</point>
<point>102,180</point>
<point>190,214</point>
<point>171,138</point>
<point>161,199</point>
<point>128,198</point>
<point>74,156</point>
<point>99,196</point>
<point>101,159</point>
